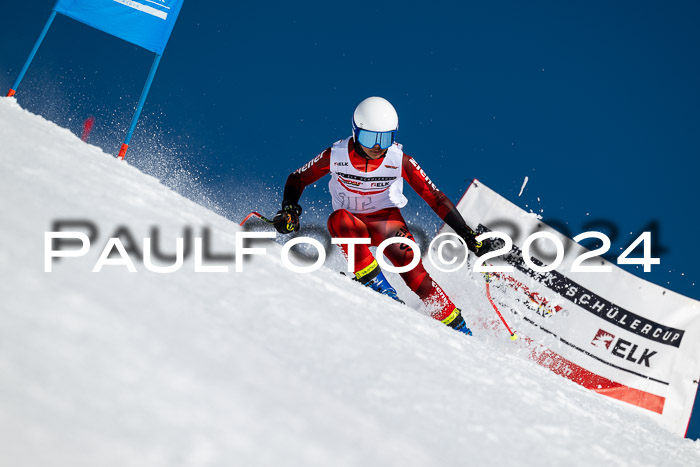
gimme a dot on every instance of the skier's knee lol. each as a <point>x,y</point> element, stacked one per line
<point>339,214</point>
<point>342,223</point>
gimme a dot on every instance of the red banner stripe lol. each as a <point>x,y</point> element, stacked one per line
<point>589,380</point>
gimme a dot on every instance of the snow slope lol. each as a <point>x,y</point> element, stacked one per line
<point>265,367</point>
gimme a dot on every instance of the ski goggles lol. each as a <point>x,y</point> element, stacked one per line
<point>369,139</point>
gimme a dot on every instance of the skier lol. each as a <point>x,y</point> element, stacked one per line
<point>367,173</point>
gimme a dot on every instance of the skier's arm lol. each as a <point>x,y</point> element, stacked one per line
<point>307,174</point>
<point>440,203</point>
<point>436,199</point>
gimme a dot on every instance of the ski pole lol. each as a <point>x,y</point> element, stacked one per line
<point>256,214</point>
<point>513,336</point>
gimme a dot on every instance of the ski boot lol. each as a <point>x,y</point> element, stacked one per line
<point>373,277</point>
<point>456,322</point>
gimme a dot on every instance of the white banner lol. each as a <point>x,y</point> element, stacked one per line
<point>610,332</point>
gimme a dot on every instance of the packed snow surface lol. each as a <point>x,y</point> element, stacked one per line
<point>263,367</point>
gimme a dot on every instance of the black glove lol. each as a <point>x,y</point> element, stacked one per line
<point>479,248</point>
<point>286,220</point>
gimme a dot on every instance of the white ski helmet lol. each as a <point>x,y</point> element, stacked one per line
<point>375,118</point>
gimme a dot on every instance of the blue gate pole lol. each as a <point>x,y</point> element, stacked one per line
<point>15,85</point>
<point>139,107</point>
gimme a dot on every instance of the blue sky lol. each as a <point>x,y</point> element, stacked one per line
<point>596,102</point>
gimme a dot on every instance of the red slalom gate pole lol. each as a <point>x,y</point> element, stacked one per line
<point>513,336</point>
<point>256,214</point>
<point>87,127</point>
